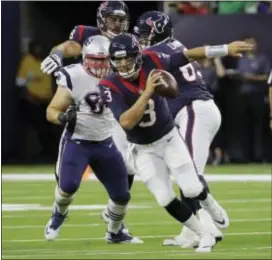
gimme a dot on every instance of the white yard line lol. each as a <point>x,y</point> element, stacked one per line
<point>209,177</point>
<point>181,252</point>
<point>143,237</point>
<point>80,213</point>
<point>129,224</point>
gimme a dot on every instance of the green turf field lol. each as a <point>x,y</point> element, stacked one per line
<point>248,205</point>
<point>229,169</point>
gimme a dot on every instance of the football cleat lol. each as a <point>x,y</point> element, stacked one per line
<point>187,239</point>
<point>122,238</point>
<point>208,222</point>
<point>105,217</point>
<point>218,214</point>
<point>206,243</point>
<point>52,229</point>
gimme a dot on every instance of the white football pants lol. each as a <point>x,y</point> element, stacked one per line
<point>155,163</point>
<point>198,124</point>
<point>120,140</point>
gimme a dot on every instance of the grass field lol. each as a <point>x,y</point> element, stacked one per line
<point>248,205</point>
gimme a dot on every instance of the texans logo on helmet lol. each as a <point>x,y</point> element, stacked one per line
<point>158,24</point>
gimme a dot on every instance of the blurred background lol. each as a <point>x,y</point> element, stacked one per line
<point>31,29</point>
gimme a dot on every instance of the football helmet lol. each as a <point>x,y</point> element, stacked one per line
<point>153,27</point>
<point>113,18</point>
<point>125,55</point>
<point>95,55</point>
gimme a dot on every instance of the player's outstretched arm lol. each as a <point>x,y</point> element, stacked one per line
<point>66,49</point>
<point>56,110</point>
<point>234,49</point>
<point>134,114</point>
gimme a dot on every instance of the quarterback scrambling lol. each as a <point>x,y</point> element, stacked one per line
<point>156,148</point>
<point>194,111</point>
<point>86,140</point>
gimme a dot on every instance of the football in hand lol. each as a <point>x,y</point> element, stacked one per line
<point>168,87</point>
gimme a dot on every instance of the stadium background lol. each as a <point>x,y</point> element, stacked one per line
<point>239,187</point>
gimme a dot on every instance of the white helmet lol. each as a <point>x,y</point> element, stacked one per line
<point>95,55</point>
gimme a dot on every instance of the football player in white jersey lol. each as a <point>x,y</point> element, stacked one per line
<point>112,19</point>
<point>86,140</point>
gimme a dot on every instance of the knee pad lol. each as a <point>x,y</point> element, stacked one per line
<point>164,197</point>
<point>192,189</point>
<point>69,187</point>
<point>121,199</point>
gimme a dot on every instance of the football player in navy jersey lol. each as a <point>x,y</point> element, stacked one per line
<point>112,19</point>
<point>194,110</point>
<point>156,148</point>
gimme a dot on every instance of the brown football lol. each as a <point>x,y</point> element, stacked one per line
<point>169,86</point>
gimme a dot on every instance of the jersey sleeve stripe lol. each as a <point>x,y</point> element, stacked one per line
<point>107,83</point>
<point>80,31</point>
<point>68,78</point>
<point>155,59</point>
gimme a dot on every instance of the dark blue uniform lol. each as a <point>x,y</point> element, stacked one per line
<point>157,120</point>
<point>82,32</point>
<point>189,78</point>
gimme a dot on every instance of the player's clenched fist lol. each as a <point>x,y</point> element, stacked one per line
<point>236,48</point>
<point>51,63</point>
<point>153,80</point>
<point>69,115</point>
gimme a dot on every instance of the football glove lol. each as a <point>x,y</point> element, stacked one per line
<point>69,116</point>
<point>52,62</point>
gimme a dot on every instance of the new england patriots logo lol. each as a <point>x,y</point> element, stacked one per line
<point>158,24</point>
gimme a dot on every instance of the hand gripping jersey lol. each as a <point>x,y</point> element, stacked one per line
<point>189,78</point>
<point>157,120</point>
<point>94,119</point>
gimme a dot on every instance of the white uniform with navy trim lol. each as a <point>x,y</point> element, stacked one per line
<point>198,125</point>
<point>92,123</point>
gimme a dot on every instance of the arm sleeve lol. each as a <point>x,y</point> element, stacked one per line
<point>118,105</point>
<point>63,79</point>
<point>168,62</point>
<point>77,34</point>
<point>117,102</point>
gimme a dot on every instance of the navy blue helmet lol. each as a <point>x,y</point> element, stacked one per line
<point>113,18</point>
<point>153,27</point>
<point>125,55</point>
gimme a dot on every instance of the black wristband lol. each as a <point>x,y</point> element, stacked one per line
<point>62,118</point>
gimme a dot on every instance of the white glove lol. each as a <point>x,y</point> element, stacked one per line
<point>51,63</point>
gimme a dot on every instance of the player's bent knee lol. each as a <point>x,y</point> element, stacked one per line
<point>192,190</point>
<point>69,188</point>
<point>121,199</point>
<point>164,197</point>
<point>63,194</point>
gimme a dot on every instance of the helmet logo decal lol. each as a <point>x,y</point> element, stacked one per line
<point>158,24</point>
